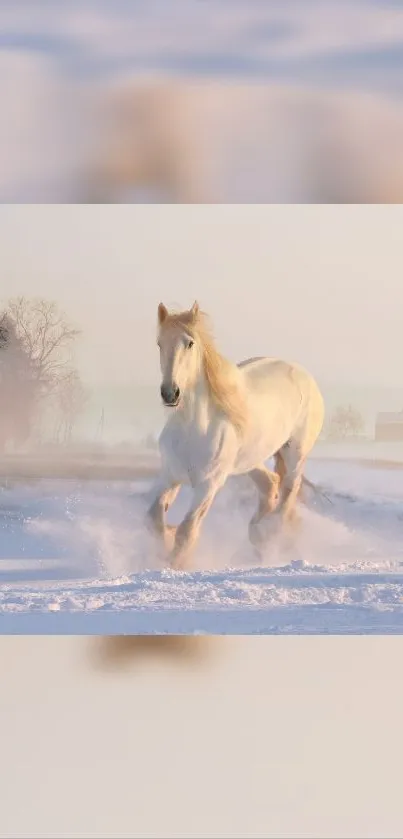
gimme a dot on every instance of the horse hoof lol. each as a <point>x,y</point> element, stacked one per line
<point>178,562</point>
<point>258,555</point>
<point>293,522</point>
<point>178,565</point>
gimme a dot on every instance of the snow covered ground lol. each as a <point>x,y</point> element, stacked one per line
<point>75,558</point>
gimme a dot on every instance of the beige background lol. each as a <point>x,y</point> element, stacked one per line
<point>319,284</point>
<point>257,737</point>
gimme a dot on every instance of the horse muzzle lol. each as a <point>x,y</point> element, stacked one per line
<point>170,395</point>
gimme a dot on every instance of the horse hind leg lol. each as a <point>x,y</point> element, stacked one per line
<point>267,484</point>
<point>289,465</point>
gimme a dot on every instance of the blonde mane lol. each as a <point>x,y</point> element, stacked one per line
<point>219,373</point>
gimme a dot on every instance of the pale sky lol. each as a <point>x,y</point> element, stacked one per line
<point>317,284</point>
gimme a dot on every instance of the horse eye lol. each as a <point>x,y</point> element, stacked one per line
<point>190,345</point>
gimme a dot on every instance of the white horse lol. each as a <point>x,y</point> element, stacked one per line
<point>227,420</point>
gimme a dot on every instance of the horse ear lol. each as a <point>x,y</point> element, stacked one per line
<point>162,313</point>
<point>195,309</point>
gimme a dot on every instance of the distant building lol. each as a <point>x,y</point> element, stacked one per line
<point>389,427</point>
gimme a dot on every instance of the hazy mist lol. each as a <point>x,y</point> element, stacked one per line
<point>318,284</point>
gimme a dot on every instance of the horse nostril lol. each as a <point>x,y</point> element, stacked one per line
<point>176,393</point>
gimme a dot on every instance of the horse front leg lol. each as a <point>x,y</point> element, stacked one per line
<point>155,517</point>
<point>187,533</point>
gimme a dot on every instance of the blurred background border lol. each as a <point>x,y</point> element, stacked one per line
<point>220,737</point>
<point>201,102</point>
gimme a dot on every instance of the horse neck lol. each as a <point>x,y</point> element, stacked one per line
<point>200,406</point>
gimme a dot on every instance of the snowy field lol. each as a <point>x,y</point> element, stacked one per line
<point>75,558</point>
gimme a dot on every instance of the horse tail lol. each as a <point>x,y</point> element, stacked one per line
<point>317,490</point>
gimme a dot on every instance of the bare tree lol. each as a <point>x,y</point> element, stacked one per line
<point>47,338</point>
<point>43,343</point>
<point>3,330</point>
<point>71,397</point>
<point>345,422</point>
<point>18,386</point>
